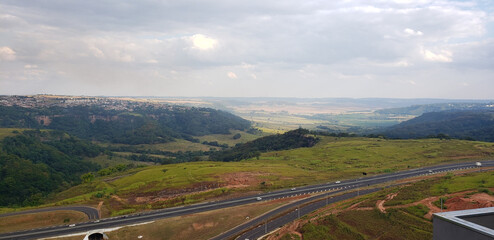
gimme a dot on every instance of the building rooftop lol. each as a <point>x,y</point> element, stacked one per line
<point>480,220</point>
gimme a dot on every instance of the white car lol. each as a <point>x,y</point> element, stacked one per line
<point>337,182</point>
<point>72,225</point>
<point>478,164</point>
<point>293,189</point>
<point>258,198</point>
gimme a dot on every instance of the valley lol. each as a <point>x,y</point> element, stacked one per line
<point>193,167</point>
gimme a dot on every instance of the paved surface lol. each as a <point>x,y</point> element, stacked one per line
<point>92,213</point>
<point>179,211</point>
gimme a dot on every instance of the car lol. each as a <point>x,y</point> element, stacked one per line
<point>293,189</point>
<point>72,225</point>
<point>478,164</point>
<point>97,221</point>
<point>337,182</point>
<point>258,198</point>
<point>430,171</point>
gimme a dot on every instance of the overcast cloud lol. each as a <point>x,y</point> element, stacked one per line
<point>287,48</point>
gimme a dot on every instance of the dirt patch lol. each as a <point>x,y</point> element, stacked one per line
<point>199,226</point>
<point>479,200</point>
<point>241,179</point>
<point>458,201</point>
<point>228,180</point>
<point>168,194</point>
<point>380,203</point>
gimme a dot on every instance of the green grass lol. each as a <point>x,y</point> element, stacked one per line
<point>462,183</point>
<point>443,185</point>
<point>331,159</point>
<point>228,138</point>
<point>182,175</point>
<point>350,157</point>
<point>105,161</point>
<point>174,146</point>
<point>396,223</point>
<point>419,210</point>
<point>8,132</point>
<point>123,212</point>
<point>393,225</point>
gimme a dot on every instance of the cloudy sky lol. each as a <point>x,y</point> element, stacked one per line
<point>225,48</point>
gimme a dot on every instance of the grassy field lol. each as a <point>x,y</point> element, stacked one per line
<point>105,161</point>
<point>444,185</point>
<point>228,138</point>
<point>331,159</point>
<point>350,157</point>
<point>7,132</point>
<point>184,145</point>
<point>337,221</point>
<point>175,146</point>
<point>279,122</point>
<point>195,226</point>
<point>37,220</point>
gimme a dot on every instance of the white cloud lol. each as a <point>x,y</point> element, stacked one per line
<point>441,56</point>
<point>258,42</point>
<point>232,75</point>
<point>29,66</point>
<point>411,32</point>
<point>202,42</point>
<point>7,54</point>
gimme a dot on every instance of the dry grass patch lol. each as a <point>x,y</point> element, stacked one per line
<point>37,220</point>
<point>195,226</point>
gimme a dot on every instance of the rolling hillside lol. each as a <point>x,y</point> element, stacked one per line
<point>33,164</point>
<point>132,125</point>
<point>475,125</point>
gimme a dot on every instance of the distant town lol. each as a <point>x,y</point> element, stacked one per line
<point>108,103</point>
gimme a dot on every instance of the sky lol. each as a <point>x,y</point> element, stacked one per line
<point>254,48</point>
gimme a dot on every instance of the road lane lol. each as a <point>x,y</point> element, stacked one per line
<point>202,207</point>
<point>91,212</point>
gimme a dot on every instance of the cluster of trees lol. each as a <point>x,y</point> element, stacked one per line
<point>289,140</point>
<point>472,125</point>
<point>142,155</point>
<point>114,169</point>
<point>36,163</point>
<point>141,126</point>
<point>215,144</point>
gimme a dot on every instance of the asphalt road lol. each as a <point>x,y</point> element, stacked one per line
<point>207,206</point>
<point>264,224</point>
<point>92,213</point>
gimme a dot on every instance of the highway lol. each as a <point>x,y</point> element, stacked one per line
<point>329,188</point>
<point>92,213</point>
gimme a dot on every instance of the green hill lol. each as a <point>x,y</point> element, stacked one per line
<point>34,164</point>
<point>331,159</point>
<point>476,125</point>
<point>437,107</point>
<point>289,140</point>
<point>140,125</point>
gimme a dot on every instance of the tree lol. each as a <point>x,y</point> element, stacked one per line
<point>88,177</point>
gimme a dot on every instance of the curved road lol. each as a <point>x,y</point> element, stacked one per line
<point>92,213</point>
<point>207,206</point>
